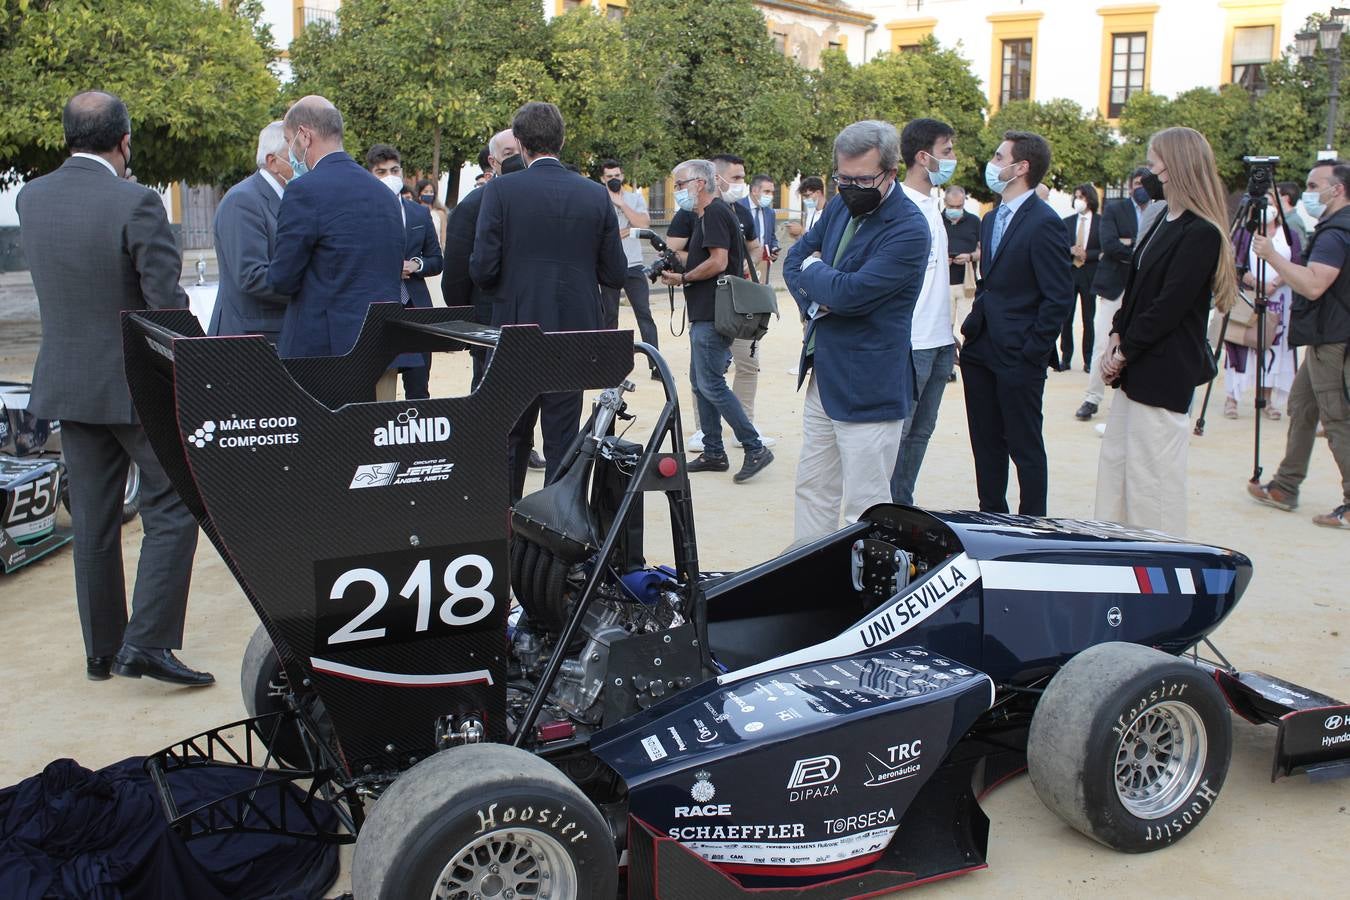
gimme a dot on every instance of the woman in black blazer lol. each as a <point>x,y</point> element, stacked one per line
<point>1158,353</point>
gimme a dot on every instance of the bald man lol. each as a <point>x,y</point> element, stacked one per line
<point>339,238</point>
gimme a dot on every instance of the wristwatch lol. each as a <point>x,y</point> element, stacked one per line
<point>418,260</point>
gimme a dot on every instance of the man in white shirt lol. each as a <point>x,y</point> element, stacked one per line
<point>926,147</point>
<point>631,210</point>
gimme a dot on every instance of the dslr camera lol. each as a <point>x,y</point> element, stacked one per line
<point>667,261</point>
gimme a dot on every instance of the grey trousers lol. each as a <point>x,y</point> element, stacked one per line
<point>97,457</point>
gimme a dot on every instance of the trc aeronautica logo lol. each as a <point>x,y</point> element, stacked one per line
<point>204,435</point>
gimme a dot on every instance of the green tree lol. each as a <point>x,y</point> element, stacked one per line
<point>194,77</point>
<point>720,85</point>
<point>1224,117</point>
<point>435,78</point>
<point>1080,143</point>
<point>609,101</point>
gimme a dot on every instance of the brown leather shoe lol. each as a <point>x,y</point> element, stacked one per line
<point>1270,495</point>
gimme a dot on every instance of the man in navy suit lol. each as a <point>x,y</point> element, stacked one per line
<point>856,276</point>
<point>421,260</point>
<point>245,232</point>
<point>339,239</point>
<point>1021,302</point>
<point>760,204</point>
<point>546,241</point>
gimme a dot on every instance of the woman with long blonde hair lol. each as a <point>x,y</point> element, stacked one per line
<point>1158,353</point>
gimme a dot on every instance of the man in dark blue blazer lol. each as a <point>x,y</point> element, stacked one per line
<point>1020,304</point>
<point>339,238</point>
<point>245,231</point>
<point>856,277</point>
<point>421,260</point>
<point>545,242</point>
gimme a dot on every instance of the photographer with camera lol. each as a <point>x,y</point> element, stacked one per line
<point>631,210</point>
<point>1320,321</point>
<point>716,247</point>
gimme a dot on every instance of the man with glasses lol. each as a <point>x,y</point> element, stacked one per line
<point>1022,299</point>
<point>715,249</point>
<point>856,276</point>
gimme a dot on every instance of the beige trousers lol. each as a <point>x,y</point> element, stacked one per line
<point>386,388</point>
<point>844,465</point>
<point>745,357</point>
<point>1141,471</point>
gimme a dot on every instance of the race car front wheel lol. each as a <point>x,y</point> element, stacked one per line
<point>264,686</point>
<point>1130,746</point>
<point>486,820</point>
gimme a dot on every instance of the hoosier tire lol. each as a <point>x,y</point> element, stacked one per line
<point>1130,746</point>
<point>486,820</point>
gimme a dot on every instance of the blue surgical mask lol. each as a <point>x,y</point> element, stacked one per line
<point>684,199</point>
<point>298,166</point>
<point>946,168</point>
<point>809,205</point>
<point>954,212</point>
<point>765,201</point>
<point>1312,202</point>
<point>991,172</point>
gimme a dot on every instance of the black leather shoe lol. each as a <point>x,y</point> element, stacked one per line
<point>536,461</point>
<point>706,462</point>
<point>96,667</point>
<point>754,462</point>
<point>1086,411</point>
<point>133,662</point>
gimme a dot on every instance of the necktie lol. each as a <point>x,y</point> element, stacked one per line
<point>1000,222</point>
<point>1081,241</point>
<point>838,255</point>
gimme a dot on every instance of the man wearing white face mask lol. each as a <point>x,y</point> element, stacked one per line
<point>422,260</point>
<point>926,148</point>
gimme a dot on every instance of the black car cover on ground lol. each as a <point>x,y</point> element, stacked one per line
<point>72,832</point>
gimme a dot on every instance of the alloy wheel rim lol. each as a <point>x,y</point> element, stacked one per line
<point>1160,759</point>
<point>509,864</point>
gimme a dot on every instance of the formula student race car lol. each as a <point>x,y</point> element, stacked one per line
<point>819,725</point>
<point>33,480</point>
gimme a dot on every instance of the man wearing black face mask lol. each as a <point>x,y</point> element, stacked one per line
<point>1123,220</point>
<point>856,276</point>
<point>631,211</point>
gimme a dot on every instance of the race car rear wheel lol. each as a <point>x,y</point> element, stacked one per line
<point>1130,746</point>
<point>486,820</point>
<point>131,494</point>
<point>264,685</point>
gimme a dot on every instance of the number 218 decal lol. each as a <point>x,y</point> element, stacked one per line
<point>402,596</point>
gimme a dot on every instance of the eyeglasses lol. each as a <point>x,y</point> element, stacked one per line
<point>862,181</point>
<point>680,184</point>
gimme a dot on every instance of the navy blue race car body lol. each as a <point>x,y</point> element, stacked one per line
<point>523,707</point>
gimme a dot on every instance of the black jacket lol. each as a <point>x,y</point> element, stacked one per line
<point>546,240</point>
<point>1162,319</point>
<point>1325,320</point>
<point>457,287</point>
<point>1118,221</point>
<point>1086,274</point>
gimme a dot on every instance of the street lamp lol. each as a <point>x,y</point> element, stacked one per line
<point>1328,38</point>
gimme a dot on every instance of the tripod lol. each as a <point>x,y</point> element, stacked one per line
<point>1251,213</point>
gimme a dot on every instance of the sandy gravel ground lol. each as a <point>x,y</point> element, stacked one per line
<point>1261,839</point>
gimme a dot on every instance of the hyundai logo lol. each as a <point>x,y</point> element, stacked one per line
<point>1334,723</point>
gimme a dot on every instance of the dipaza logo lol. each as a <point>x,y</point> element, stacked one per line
<point>814,772</point>
<point>412,428</point>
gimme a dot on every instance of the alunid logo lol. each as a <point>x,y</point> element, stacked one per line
<point>412,428</point>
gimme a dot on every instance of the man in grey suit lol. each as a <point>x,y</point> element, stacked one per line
<point>245,231</point>
<point>117,254</point>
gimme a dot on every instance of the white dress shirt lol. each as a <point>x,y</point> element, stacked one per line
<point>107,165</point>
